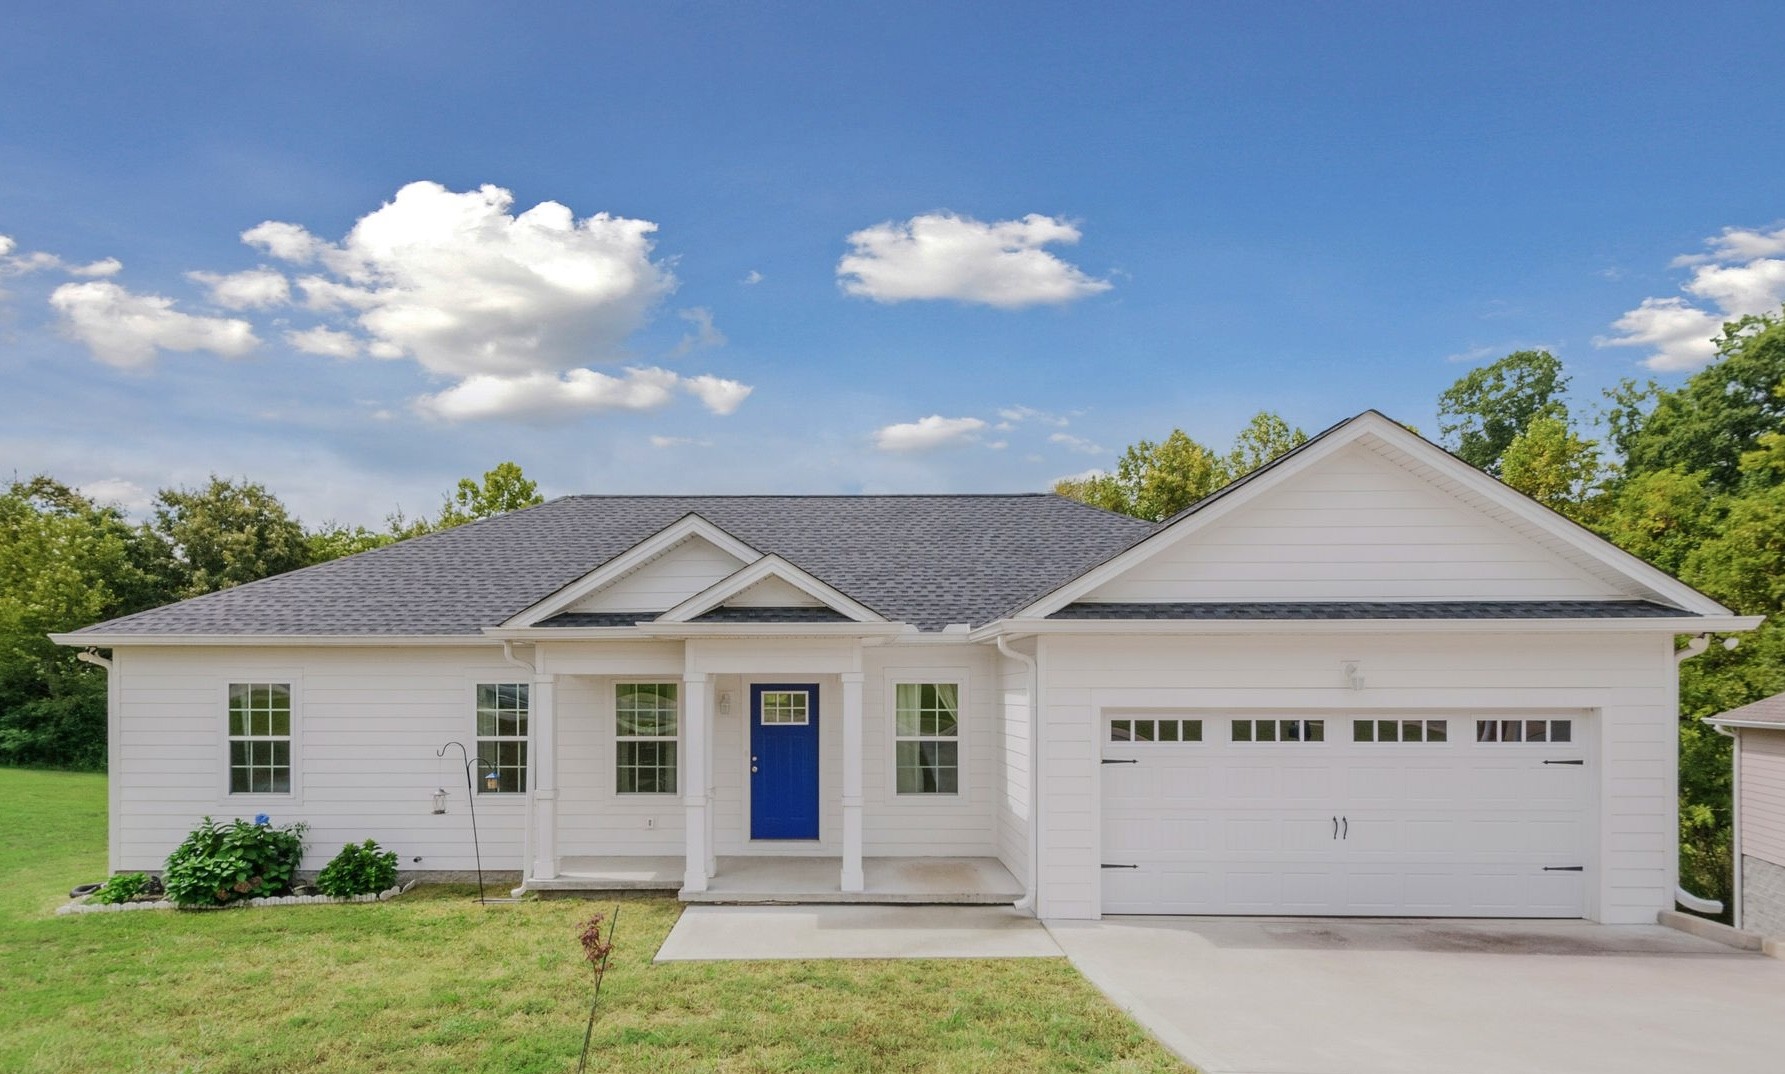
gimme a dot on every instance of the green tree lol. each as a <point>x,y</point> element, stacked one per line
<point>1719,414</point>
<point>1554,465</point>
<point>64,562</point>
<point>1098,490</point>
<point>225,534</point>
<point>1264,438</point>
<point>335,540</point>
<point>1487,408</point>
<point>502,489</point>
<point>1660,516</point>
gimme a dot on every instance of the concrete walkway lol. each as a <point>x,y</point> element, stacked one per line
<point>1322,996</point>
<point>787,932</point>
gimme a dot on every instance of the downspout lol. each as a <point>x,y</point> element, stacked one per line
<point>1735,819</point>
<point>1698,904</point>
<point>1027,902</point>
<point>113,733</point>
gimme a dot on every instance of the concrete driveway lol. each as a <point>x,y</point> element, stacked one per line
<point>1305,996</point>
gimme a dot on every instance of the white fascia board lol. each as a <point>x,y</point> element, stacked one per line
<point>771,630</point>
<point>766,567</point>
<point>1184,527</point>
<point>118,641</point>
<point>1014,628</point>
<point>689,525</point>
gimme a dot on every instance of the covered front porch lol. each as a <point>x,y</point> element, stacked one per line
<point>785,879</point>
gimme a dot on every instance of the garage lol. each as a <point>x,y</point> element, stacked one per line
<point>1416,814</point>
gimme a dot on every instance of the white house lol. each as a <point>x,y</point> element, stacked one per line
<point>1366,679</point>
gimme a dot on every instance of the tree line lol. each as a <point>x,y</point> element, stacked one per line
<point>1690,478</point>
<point>67,561</point>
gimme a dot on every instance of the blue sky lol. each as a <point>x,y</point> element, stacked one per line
<point>839,247</point>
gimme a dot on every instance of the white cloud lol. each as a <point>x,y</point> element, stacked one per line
<point>255,288</point>
<point>1076,443</point>
<point>37,261</point>
<point>325,341</point>
<point>704,334</point>
<point>678,441</point>
<point>926,433</point>
<point>125,330</point>
<point>751,278</point>
<point>1739,276</point>
<point>1019,412</point>
<point>944,256</point>
<point>128,495</point>
<point>467,289</point>
<point>717,394</point>
<point>551,397</point>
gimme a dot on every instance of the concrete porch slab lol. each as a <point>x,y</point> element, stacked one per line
<point>808,932</point>
<point>630,873</point>
<point>950,881</point>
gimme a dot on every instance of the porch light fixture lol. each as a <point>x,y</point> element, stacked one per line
<point>1353,672</point>
<point>725,704</point>
<point>492,782</point>
<point>440,800</point>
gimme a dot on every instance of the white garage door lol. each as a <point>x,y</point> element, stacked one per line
<point>1358,814</point>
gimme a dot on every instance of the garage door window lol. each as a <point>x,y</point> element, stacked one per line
<point>1155,730</point>
<point>1279,730</point>
<point>1408,730</point>
<point>1514,731</point>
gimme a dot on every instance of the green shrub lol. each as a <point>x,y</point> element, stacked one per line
<point>121,888</point>
<point>359,870</point>
<point>220,863</point>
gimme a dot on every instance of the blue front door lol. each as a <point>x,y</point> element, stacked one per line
<point>784,761</point>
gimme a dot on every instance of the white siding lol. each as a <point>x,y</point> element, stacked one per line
<point>366,723</point>
<point>1357,527</point>
<point>1763,794</point>
<point>592,818</point>
<point>1626,680</point>
<point>664,582</point>
<point>774,592</point>
<point>1018,745</point>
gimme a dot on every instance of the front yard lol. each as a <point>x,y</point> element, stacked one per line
<point>434,982</point>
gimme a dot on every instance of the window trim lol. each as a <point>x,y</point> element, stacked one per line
<point>477,741</point>
<point>1156,716</point>
<point>1426,720</point>
<point>1496,742</point>
<point>914,676</point>
<point>612,704</point>
<point>228,799</point>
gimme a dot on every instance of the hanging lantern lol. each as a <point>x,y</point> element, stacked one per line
<point>492,782</point>
<point>440,800</point>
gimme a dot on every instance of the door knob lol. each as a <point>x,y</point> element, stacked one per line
<point>752,769</point>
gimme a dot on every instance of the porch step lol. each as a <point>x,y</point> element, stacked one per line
<point>871,898</point>
<point>787,880</point>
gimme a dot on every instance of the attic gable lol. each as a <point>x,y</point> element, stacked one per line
<point>771,582</point>
<point>1369,511</point>
<point>659,572</point>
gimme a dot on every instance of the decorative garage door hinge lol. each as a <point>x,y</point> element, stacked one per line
<point>1564,868</point>
<point>1107,865</point>
<point>1576,760</point>
<point>1115,760</point>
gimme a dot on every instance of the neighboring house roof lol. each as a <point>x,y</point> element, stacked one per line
<point>927,560</point>
<point>1432,609</point>
<point>1767,712</point>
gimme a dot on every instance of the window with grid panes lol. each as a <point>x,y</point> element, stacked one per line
<point>259,738</point>
<point>645,738</point>
<point>502,737</point>
<point>927,737</point>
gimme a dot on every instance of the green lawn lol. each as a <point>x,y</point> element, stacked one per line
<point>434,982</point>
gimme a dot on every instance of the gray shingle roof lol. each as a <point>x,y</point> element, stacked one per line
<point>926,560</point>
<point>1769,710</point>
<point>1438,609</point>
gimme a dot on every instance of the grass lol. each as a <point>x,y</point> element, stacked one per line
<point>434,982</point>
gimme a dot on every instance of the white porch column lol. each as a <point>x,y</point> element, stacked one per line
<point>694,778</point>
<point>542,764</point>
<point>852,781</point>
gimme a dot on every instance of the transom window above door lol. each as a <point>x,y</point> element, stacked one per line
<point>1279,730</point>
<point>1407,729</point>
<point>786,708</point>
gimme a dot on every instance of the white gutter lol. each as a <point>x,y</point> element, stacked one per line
<point>1183,627</point>
<point>1027,902</point>
<point>1698,904</point>
<point>113,748</point>
<point>119,641</point>
<point>90,657</point>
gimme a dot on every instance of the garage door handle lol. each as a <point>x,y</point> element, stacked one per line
<point>1347,822</point>
<point>1113,760</point>
<point>1107,865</point>
<point>1576,760</point>
<point>1564,868</point>
<point>1335,827</point>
